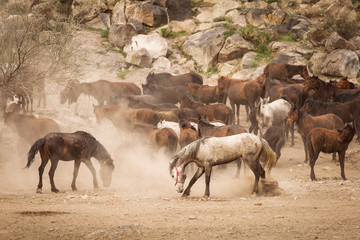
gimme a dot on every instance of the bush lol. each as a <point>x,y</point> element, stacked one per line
<point>345,29</point>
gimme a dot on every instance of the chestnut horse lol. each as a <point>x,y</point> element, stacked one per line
<point>188,133</point>
<point>284,71</point>
<point>217,111</point>
<point>306,122</point>
<point>171,94</point>
<point>165,138</point>
<point>168,80</point>
<point>344,83</point>
<point>328,141</point>
<point>205,93</point>
<point>102,90</point>
<point>244,92</point>
<point>78,146</point>
<point>275,136</point>
<point>123,118</point>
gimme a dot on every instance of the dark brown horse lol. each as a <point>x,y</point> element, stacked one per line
<point>188,133</point>
<point>275,136</point>
<point>348,112</point>
<point>102,90</point>
<point>322,90</point>
<point>29,128</point>
<point>240,92</point>
<point>328,141</point>
<point>217,111</point>
<point>344,83</point>
<point>78,147</point>
<point>168,80</point>
<point>171,94</point>
<point>305,122</point>
<point>205,93</point>
<point>283,71</point>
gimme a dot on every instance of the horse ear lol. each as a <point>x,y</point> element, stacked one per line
<point>268,99</point>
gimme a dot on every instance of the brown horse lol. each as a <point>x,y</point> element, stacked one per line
<point>348,112</point>
<point>283,71</point>
<point>344,83</point>
<point>328,141</point>
<point>165,138</point>
<point>168,80</point>
<point>217,111</point>
<point>205,93</point>
<point>275,136</point>
<point>188,133</point>
<point>171,94</point>
<point>102,90</point>
<point>306,122</point>
<point>30,128</point>
<point>78,146</point>
<point>276,90</point>
<point>125,117</point>
<point>240,92</point>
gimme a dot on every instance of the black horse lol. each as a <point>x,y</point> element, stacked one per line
<point>78,146</point>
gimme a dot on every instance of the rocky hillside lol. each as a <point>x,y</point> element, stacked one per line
<point>212,37</point>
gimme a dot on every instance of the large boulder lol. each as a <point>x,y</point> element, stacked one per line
<point>100,22</point>
<point>187,26</point>
<point>335,41</point>
<point>121,34</point>
<point>356,41</point>
<point>238,19</point>
<point>316,62</point>
<point>86,10</point>
<point>235,47</point>
<point>341,63</point>
<point>156,45</point>
<point>140,58</point>
<point>291,47</point>
<point>178,10</point>
<point>343,10</point>
<point>148,13</point>
<point>289,58</point>
<point>297,24</point>
<point>271,14</point>
<point>317,37</point>
<point>204,47</point>
<point>220,8</point>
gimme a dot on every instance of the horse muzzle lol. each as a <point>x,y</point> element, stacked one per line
<point>179,187</point>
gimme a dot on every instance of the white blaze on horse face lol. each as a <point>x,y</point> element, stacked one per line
<point>179,175</point>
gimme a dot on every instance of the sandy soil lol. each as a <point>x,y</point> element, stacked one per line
<point>142,202</point>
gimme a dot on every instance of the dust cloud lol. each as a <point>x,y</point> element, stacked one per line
<point>140,169</point>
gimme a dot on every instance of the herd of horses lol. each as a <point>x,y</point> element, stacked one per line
<point>181,112</point>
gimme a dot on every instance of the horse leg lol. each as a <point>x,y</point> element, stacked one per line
<point>197,175</point>
<point>93,172</point>
<point>258,172</point>
<point>306,151</point>
<point>342,163</point>
<point>292,126</point>
<point>232,104</point>
<point>238,163</point>
<point>44,161</point>
<point>54,163</point>
<point>75,173</point>
<point>208,171</point>
<point>247,113</point>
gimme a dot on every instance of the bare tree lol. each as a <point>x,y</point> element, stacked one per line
<point>32,49</point>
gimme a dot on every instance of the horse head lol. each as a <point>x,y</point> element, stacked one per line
<point>179,175</point>
<point>293,115</point>
<point>347,133</point>
<point>106,169</point>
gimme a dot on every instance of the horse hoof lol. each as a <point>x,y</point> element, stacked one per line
<point>55,190</point>
<point>74,189</point>
<point>185,195</point>
<point>39,190</point>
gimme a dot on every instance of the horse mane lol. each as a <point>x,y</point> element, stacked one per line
<point>96,149</point>
<point>190,150</point>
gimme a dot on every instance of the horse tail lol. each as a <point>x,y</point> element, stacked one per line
<point>268,156</point>
<point>33,151</point>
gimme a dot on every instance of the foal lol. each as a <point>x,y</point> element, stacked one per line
<point>328,141</point>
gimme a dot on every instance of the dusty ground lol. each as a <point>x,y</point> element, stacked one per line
<point>142,202</point>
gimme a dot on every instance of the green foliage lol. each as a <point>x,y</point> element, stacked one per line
<point>259,38</point>
<point>168,33</point>
<point>200,3</point>
<point>122,74</point>
<point>272,1</point>
<point>17,8</point>
<point>254,63</point>
<point>63,7</point>
<point>249,32</point>
<point>229,33</point>
<point>344,28</point>
<point>289,37</point>
<point>103,33</point>
<point>219,19</point>
<point>212,71</point>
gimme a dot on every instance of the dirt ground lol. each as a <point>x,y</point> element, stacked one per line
<point>142,202</point>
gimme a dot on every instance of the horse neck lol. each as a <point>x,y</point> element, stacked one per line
<point>205,128</point>
<point>110,112</point>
